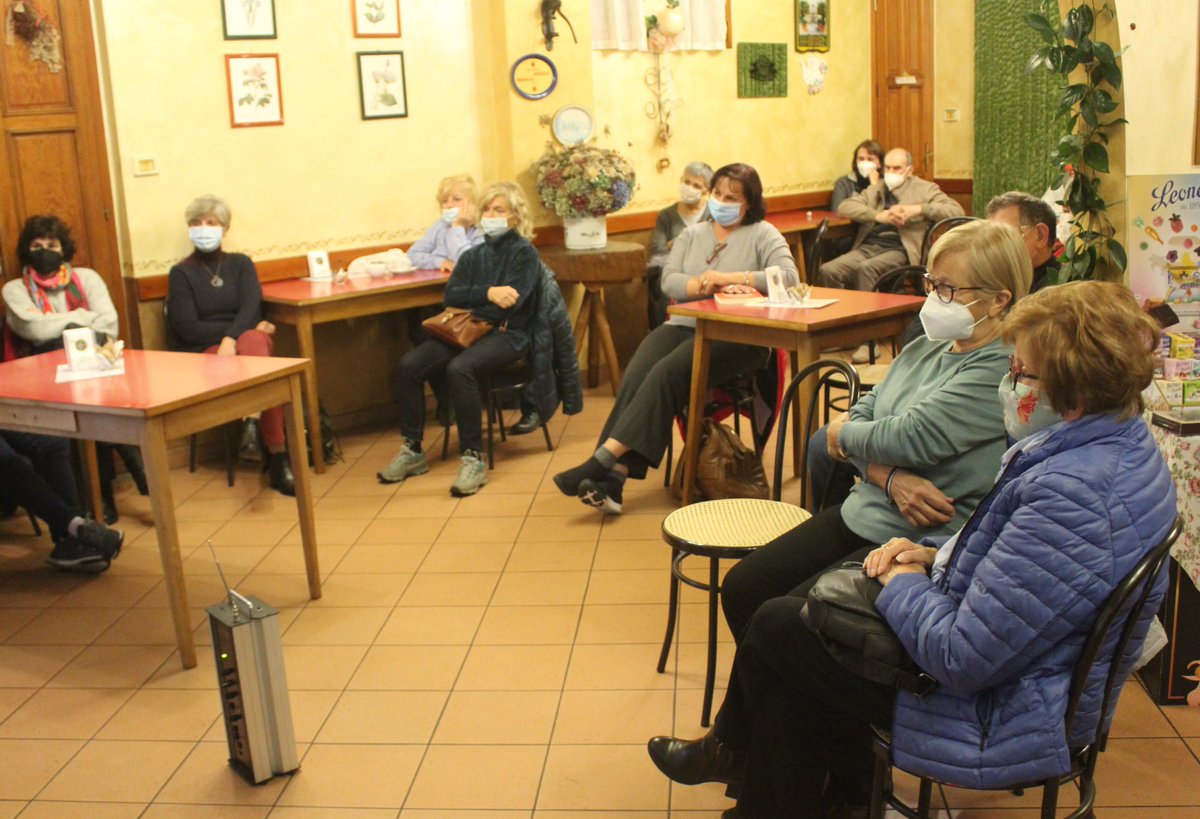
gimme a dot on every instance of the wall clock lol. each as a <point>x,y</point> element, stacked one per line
<point>534,76</point>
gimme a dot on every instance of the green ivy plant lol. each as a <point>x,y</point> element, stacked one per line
<point>1081,154</point>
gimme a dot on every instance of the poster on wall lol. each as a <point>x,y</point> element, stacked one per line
<point>812,25</point>
<point>255,95</point>
<point>1164,243</point>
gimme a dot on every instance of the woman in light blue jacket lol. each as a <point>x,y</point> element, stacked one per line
<point>997,614</point>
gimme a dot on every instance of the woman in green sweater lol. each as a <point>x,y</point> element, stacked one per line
<point>927,440</point>
<point>494,281</point>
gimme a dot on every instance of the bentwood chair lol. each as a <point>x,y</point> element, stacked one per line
<point>1106,642</point>
<point>935,231</point>
<point>733,528</point>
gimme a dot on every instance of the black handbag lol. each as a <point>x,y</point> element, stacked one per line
<point>840,609</point>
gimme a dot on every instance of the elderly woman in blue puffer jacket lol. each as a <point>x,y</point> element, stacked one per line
<point>997,613</point>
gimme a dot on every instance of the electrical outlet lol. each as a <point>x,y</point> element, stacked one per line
<point>950,115</point>
<point>145,166</point>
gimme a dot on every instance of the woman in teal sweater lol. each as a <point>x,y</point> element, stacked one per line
<point>494,281</point>
<point>927,441</point>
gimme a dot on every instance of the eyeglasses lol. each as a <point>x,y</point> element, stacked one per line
<point>945,292</point>
<point>1016,372</point>
<point>716,252</point>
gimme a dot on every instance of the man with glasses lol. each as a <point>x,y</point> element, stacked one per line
<point>1038,225</point>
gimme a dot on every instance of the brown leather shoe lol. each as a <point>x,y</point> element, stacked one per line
<point>692,761</point>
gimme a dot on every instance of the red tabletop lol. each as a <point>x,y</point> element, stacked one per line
<point>299,291</point>
<point>154,381</point>
<point>787,221</point>
<point>851,306</point>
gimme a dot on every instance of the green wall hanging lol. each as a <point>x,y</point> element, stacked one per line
<point>762,69</point>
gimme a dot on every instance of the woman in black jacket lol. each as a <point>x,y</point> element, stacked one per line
<point>497,282</point>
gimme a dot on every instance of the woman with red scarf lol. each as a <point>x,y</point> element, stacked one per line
<point>52,295</point>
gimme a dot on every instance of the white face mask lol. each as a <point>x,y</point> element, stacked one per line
<point>1024,410</point>
<point>865,167</point>
<point>494,225</point>
<point>689,194</point>
<point>947,322</point>
<point>449,215</point>
<point>894,180</point>
<point>206,238</point>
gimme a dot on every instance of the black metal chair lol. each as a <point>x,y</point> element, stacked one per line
<point>733,528</point>
<point>1124,605</point>
<point>935,231</point>
<point>815,254</point>
<point>505,384</point>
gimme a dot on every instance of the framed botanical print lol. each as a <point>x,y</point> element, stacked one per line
<point>248,19</point>
<point>812,25</point>
<point>381,87</point>
<point>255,93</point>
<point>376,18</point>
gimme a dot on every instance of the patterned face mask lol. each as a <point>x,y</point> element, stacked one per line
<point>1024,410</point>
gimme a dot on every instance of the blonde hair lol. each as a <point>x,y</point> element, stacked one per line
<point>208,205</point>
<point>1094,347</point>
<point>462,182</point>
<point>511,192</point>
<point>996,258</point>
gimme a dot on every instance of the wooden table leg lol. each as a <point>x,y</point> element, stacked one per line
<point>293,420</point>
<point>304,337</point>
<point>691,448</point>
<point>91,472</point>
<point>594,342</point>
<point>806,352</point>
<point>604,332</point>
<point>162,505</point>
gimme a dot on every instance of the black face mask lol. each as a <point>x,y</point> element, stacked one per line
<point>44,260</point>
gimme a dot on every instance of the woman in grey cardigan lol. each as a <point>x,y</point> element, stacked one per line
<point>727,254</point>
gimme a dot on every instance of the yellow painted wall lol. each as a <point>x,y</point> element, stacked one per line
<point>798,143</point>
<point>324,179</point>
<point>954,87</point>
<point>1160,84</point>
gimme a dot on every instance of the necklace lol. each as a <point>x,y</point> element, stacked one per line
<point>216,280</point>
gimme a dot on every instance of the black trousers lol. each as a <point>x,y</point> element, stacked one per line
<point>656,385</point>
<point>801,720</point>
<point>784,565</point>
<point>462,370</point>
<point>35,472</point>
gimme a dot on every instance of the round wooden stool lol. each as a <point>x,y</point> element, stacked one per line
<point>729,529</point>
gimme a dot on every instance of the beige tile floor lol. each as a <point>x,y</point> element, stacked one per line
<point>486,657</point>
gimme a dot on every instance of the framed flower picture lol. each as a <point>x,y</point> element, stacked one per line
<point>255,94</point>
<point>376,18</point>
<point>381,84</point>
<point>248,19</point>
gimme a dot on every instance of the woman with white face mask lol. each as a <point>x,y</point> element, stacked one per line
<point>496,281</point>
<point>214,305</point>
<point>671,221</point>
<point>456,232</point>
<point>866,167</point>
<point>727,254</point>
<point>926,441</point>
<point>995,611</point>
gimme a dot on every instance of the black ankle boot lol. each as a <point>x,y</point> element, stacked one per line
<point>690,762</point>
<point>108,507</point>
<point>279,474</point>
<point>132,456</point>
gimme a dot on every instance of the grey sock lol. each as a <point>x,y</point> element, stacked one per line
<point>606,458</point>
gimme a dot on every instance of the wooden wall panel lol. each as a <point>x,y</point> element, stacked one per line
<point>27,84</point>
<point>46,172</point>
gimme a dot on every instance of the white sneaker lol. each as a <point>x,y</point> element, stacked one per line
<point>471,477</point>
<point>862,355</point>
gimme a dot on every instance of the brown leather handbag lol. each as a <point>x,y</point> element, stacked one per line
<point>727,468</point>
<point>457,327</point>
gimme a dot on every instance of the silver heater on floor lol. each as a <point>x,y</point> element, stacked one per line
<point>253,687</point>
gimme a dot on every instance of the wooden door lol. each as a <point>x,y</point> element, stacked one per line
<point>902,78</point>
<point>53,157</point>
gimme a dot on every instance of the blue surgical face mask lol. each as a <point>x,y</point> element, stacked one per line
<point>1025,411</point>
<point>206,238</point>
<point>494,225</point>
<point>449,215</point>
<point>724,213</point>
